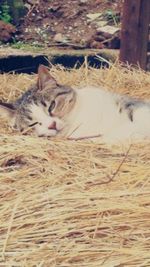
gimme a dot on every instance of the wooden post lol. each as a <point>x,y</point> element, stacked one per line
<point>134,32</point>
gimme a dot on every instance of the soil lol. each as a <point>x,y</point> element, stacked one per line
<point>7,31</point>
<point>73,23</point>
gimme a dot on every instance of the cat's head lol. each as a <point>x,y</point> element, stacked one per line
<point>43,107</point>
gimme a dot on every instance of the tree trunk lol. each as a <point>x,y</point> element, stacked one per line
<point>134,32</point>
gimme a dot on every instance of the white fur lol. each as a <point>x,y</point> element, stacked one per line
<point>44,122</point>
<point>96,113</point>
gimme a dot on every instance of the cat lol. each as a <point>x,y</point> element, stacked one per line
<point>52,109</point>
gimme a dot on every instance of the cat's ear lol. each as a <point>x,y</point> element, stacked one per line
<point>45,78</point>
<point>7,110</point>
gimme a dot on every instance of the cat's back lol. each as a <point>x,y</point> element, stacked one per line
<point>96,96</point>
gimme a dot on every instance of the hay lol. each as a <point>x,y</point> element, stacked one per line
<point>74,203</point>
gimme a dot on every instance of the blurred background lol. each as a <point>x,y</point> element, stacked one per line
<point>77,23</point>
<point>65,32</point>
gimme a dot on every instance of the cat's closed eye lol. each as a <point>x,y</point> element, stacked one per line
<point>52,106</point>
<point>33,124</point>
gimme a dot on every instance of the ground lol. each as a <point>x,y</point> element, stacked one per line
<point>75,23</point>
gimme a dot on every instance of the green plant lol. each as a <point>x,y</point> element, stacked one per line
<point>112,17</point>
<point>34,47</point>
<point>4,13</point>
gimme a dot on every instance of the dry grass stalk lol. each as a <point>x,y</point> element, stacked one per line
<point>58,205</point>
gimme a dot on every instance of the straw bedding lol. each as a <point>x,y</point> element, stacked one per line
<point>74,203</point>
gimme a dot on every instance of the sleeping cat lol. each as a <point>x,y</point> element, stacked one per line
<point>52,109</point>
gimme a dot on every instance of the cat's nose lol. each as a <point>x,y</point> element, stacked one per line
<point>52,126</point>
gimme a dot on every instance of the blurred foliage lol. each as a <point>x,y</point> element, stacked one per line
<point>112,17</point>
<point>12,11</point>
<point>27,47</point>
<point>17,10</point>
<point>5,12</point>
